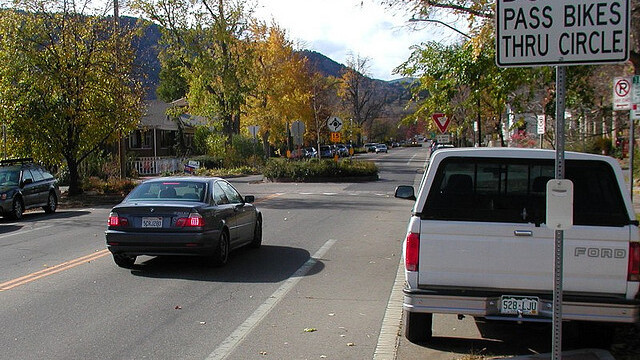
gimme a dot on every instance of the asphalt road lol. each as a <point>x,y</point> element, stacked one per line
<point>318,288</point>
<point>324,285</point>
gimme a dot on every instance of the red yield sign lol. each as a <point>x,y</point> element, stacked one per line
<point>442,121</point>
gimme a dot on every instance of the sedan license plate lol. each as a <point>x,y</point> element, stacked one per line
<point>152,222</point>
<point>525,305</point>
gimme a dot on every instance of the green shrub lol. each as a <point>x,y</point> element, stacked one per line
<point>227,172</point>
<point>316,169</point>
<point>111,186</point>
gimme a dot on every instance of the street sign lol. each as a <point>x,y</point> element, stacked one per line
<point>635,90</point>
<point>443,139</point>
<point>335,137</point>
<point>253,130</point>
<point>542,124</point>
<point>442,121</point>
<point>334,124</point>
<point>297,131</point>
<point>562,32</point>
<point>635,112</point>
<point>622,93</point>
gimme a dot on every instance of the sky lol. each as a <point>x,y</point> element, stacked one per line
<point>340,28</point>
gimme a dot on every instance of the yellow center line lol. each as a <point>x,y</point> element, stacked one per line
<point>8,285</point>
<point>52,270</point>
<point>268,197</point>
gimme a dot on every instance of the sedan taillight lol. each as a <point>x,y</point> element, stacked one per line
<point>194,220</point>
<point>116,221</point>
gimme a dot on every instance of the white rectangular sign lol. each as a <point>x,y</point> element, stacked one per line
<point>561,32</point>
<point>542,124</point>
<point>443,139</point>
<point>622,94</point>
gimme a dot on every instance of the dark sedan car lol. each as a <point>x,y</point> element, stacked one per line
<point>183,216</point>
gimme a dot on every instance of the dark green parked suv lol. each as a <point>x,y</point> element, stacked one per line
<point>25,185</point>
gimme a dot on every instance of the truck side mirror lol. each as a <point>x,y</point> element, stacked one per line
<point>405,192</point>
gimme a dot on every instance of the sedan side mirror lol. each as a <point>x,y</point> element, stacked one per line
<point>27,182</point>
<point>405,192</point>
<point>249,199</point>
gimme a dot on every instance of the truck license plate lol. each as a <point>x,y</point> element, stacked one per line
<point>151,222</point>
<point>526,305</point>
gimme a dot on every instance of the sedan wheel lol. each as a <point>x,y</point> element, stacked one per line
<point>257,235</point>
<point>124,261</point>
<point>221,254</point>
<point>52,204</point>
<point>17,209</point>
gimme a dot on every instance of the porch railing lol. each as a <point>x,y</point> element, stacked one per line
<point>156,165</point>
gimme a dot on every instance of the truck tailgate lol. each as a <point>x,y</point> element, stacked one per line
<point>520,257</point>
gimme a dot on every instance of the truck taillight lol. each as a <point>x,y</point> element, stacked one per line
<point>115,220</point>
<point>412,251</point>
<point>194,220</point>
<point>634,262</point>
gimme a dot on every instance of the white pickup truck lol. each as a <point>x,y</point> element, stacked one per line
<point>477,243</point>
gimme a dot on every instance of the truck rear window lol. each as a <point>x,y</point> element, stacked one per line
<point>514,190</point>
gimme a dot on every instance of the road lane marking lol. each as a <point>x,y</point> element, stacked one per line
<point>238,335</point>
<point>52,270</point>
<point>24,231</point>
<point>413,157</point>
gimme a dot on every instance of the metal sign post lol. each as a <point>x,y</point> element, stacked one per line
<point>556,349</point>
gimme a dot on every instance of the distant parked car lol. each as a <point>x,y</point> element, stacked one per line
<point>26,185</point>
<point>312,152</point>
<point>326,151</point>
<point>203,216</point>
<point>342,150</point>
<point>299,154</point>
<point>370,147</point>
<point>381,148</point>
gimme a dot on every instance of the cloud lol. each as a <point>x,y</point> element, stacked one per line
<point>338,28</point>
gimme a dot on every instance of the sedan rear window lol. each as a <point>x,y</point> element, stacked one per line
<point>169,191</point>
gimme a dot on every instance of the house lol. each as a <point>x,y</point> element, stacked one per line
<point>152,146</point>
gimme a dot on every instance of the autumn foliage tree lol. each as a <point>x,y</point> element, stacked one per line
<point>207,42</point>
<point>281,93</point>
<point>66,82</point>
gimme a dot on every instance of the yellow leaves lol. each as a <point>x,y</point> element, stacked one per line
<point>281,82</point>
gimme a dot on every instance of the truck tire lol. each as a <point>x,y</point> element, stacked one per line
<point>417,327</point>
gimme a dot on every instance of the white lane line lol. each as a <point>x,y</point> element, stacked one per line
<point>24,231</point>
<point>388,339</point>
<point>230,343</point>
<point>413,157</point>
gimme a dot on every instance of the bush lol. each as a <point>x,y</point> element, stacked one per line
<point>111,186</point>
<point>315,169</point>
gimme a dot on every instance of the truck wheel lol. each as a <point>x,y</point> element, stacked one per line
<point>417,326</point>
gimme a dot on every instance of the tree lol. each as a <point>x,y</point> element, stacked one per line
<point>323,102</point>
<point>66,82</point>
<point>281,93</point>
<point>210,39</point>
<point>359,92</point>
<point>466,85</point>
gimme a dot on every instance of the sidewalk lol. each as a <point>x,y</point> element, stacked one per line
<point>582,354</point>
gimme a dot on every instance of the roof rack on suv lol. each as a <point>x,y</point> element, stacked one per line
<point>15,161</point>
